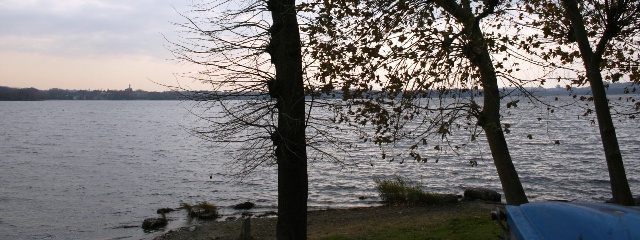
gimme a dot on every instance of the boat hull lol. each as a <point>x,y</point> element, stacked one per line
<point>567,220</point>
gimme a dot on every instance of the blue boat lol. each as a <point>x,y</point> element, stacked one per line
<point>569,220</point>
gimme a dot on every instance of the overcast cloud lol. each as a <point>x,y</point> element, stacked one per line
<point>89,44</point>
<point>88,27</point>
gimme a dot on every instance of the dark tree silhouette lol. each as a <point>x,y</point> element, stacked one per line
<point>263,114</point>
<point>289,137</point>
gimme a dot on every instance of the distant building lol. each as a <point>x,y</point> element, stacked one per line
<point>129,89</point>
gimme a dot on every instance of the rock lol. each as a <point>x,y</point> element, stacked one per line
<point>244,206</point>
<point>482,194</point>
<point>165,210</point>
<point>362,197</point>
<point>153,223</point>
<point>192,228</point>
<point>126,226</point>
<point>228,219</point>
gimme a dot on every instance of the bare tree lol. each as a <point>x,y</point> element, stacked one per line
<point>254,64</point>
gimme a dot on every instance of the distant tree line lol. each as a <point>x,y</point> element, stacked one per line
<point>33,94</point>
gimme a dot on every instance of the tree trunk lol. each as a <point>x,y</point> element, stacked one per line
<point>617,175</point>
<point>478,54</point>
<point>591,60</point>
<point>490,120</point>
<point>289,137</point>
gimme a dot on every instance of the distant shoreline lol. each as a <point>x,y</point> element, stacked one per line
<point>33,94</point>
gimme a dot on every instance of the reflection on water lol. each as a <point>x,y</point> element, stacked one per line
<point>86,169</point>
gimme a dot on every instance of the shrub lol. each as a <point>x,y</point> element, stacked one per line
<point>399,191</point>
<point>201,210</point>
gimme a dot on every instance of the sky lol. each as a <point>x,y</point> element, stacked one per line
<point>91,44</point>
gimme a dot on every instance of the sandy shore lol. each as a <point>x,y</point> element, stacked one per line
<point>347,222</point>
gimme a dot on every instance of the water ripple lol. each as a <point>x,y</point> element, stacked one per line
<point>113,163</point>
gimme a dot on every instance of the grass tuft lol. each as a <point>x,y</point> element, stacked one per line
<point>398,191</point>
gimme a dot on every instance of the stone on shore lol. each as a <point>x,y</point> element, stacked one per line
<point>482,194</point>
<point>153,223</point>
<point>244,206</point>
<point>165,210</point>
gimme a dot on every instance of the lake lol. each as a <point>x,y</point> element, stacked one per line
<point>96,169</point>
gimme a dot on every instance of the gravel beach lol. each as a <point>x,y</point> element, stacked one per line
<point>351,223</point>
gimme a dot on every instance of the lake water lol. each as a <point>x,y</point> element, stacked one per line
<point>94,169</point>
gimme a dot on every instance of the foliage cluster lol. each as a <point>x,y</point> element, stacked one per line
<point>415,53</point>
<point>610,28</point>
<point>400,191</point>
<point>395,62</point>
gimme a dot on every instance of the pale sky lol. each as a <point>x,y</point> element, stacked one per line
<point>90,44</point>
<point>93,44</point>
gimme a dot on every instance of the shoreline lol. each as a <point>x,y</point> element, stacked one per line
<point>350,222</point>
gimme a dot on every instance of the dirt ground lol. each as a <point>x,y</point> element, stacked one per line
<point>346,222</point>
